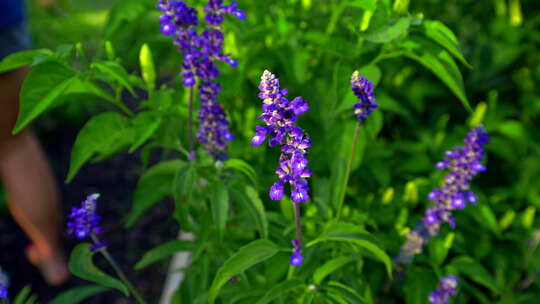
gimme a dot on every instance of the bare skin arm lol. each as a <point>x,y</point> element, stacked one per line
<point>30,186</point>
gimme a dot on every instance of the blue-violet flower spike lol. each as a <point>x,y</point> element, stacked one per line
<point>363,89</point>
<point>84,222</point>
<point>464,163</point>
<point>279,115</point>
<point>201,51</point>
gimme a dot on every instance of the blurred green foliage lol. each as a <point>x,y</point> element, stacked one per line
<point>440,67</point>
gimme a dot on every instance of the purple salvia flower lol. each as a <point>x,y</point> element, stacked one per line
<point>4,284</point>
<point>363,89</point>
<point>279,115</point>
<point>83,222</point>
<point>201,52</point>
<point>464,163</point>
<point>447,287</point>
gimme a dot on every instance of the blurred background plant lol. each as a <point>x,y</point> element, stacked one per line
<point>432,87</point>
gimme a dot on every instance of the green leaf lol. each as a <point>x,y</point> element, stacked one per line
<point>350,233</point>
<point>145,125</point>
<point>255,207</point>
<point>184,181</point>
<point>439,247</point>
<point>345,292</point>
<point>125,11</point>
<point>78,294</point>
<point>163,251</point>
<point>364,4</point>
<point>475,271</point>
<point>148,69</point>
<point>389,32</point>
<point>487,218</point>
<point>439,62</point>
<point>102,135</point>
<point>153,186</point>
<point>442,35</point>
<point>82,266</point>
<point>220,207</point>
<point>247,256</point>
<point>43,85</point>
<point>329,267</point>
<point>23,295</point>
<point>419,282</point>
<point>243,167</point>
<point>116,71</point>
<point>20,59</point>
<point>280,289</point>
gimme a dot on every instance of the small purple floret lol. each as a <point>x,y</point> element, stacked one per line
<point>447,287</point>
<point>4,284</point>
<point>296,258</point>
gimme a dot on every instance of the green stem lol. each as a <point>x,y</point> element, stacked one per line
<point>119,271</point>
<point>298,223</point>
<point>290,273</point>
<point>348,170</point>
<point>190,121</point>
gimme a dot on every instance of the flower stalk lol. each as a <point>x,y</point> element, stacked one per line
<point>348,170</point>
<point>121,275</point>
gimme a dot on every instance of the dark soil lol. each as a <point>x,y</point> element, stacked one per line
<point>116,179</point>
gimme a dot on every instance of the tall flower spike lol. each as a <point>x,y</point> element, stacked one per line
<point>84,222</point>
<point>279,115</point>
<point>464,163</point>
<point>363,89</point>
<point>447,287</point>
<point>201,52</point>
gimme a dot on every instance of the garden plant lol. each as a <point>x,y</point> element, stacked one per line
<point>315,151</point>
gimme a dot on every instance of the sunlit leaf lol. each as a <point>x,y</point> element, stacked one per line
<point>247,256</point>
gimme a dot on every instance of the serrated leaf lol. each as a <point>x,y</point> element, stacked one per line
<point>148,69</point>
<point>247,256</point>
<point>81,265</point>
<point>145,125</point>
<point>101,136</point>
<point>163,251</point>
<point>329,267</point>
<point>220,207</point>
<point>116,71</point>
<point>442,35</point>
<point>43,85</point>
<point>350,233</point>
<point>20,59</point>
<point>475,271</point>
<point>389,32</point>
<point>440,63</point>
<point>153,186</point>
<point>280,289</point>
<point>250,199</point>
<point>78,294</point>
